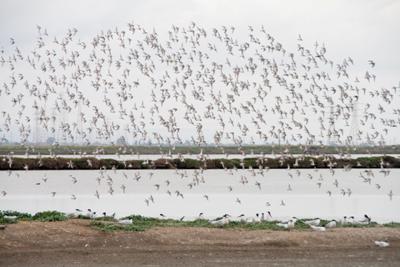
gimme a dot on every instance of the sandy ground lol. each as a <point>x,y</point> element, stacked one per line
<point>74,243</point>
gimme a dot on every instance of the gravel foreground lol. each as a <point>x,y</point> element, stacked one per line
<point>75,243</point>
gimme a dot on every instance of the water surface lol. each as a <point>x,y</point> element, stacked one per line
<point>285,193</point>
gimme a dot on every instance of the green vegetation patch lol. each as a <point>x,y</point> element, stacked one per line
<point>49,216</point>
<point>141,223</point>
<point>272,163</point>
<point>392,224</point>
<point>20,149</point>
<point>5,216</point>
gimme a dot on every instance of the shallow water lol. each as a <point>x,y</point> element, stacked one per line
<point>307,196</point>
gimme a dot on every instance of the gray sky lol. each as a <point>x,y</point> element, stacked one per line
<point>361,29</point>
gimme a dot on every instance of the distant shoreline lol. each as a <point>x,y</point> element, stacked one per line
<point>304,162</point>
<point>44,149</point>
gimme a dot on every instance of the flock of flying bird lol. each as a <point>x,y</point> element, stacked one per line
<point>192,85</point>
<point>197,86</point>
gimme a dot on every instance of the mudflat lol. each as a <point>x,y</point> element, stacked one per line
<point>75,243</point>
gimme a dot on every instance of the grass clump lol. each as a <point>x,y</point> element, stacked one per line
<point>104,218</point>
<point>392,225</point>
<point>358,225</point>
<point>112,226</point>
<point>8,213</point>
<point>273,163</point>
<point>80,216</point>
<point>49,216</point>
<point>250,226</point>
<point>140,223</point>
<point>45,216</point>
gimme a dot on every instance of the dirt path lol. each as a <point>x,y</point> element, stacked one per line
<point>74,243</point>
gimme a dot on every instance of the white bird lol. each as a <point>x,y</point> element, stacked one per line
<point>242,218</point>
<point>9,217</point>
<point>287,225</point>
<point>318,228</point>
<point>382,244</point>
<point>371,63</point>
<point>314,222</point>
<point>125,221</point>
<point>365,220</point>
<point>221,221</point>
<point>348,220</point>
<point>268,217</point>
<point>91,214</point>
<point>331,224</point>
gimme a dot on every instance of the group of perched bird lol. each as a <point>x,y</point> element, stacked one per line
<point>314,224</point>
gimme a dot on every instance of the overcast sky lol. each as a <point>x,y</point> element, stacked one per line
<point>361,29</point>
